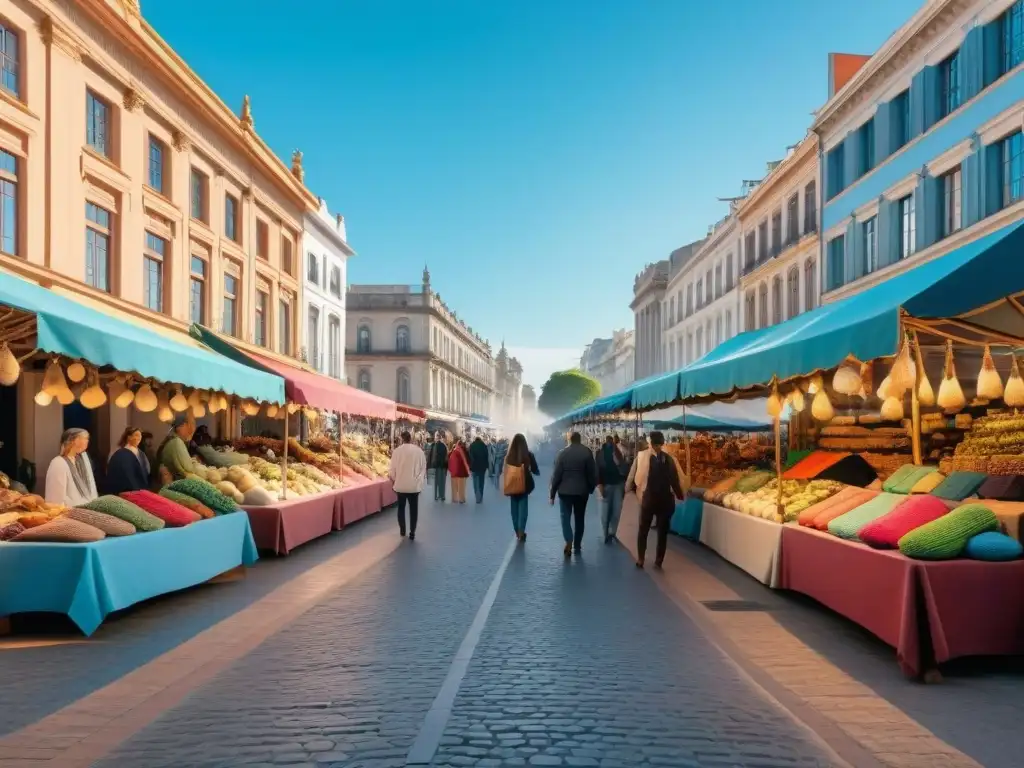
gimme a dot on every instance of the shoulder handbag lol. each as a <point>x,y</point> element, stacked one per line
<point>515,479</point>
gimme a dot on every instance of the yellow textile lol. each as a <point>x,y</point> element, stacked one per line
<point>928,483</point>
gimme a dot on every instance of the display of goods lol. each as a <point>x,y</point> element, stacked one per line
<point>946,538</point>
<point>300,452</point>
<point>819,514</point>
<point>887,530</point>
<point>1004,487</point>
<point>928,483</point>
<point>796,496</point>
<point>905,478</point>
<point>869,418</point>
<point>258,496</point>
<point>110,525</point>
<point>12,501</point>
<point>719,490</point>
<point>229,490</point>
<point>848,526</point>
<point>205,493</point>
<point>841,421</point>
<point>260,445</point>
<point>966,464</point>
<point>242,478</point>
<point>322,444</point>
<point>10,531</point>
<point>317,476</point>
<point>993,546</point>
<point>753,481</point>
<point>63,530</point>
<point>173,514</point>
<point>216,458</point>
<point>188,502</point>
<point>34,519</point>
<point>264,469</point>
<point>871,442</point>
<point>883,463</point>
<point>959,485</point>
<point>812,465</point>
<point>127,511</point>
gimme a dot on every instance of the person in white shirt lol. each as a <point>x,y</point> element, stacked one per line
<point>69,478</point>
<point>408,474</point>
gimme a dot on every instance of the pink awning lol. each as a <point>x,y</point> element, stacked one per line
<point>313,389</point>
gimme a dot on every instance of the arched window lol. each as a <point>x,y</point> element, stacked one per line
<point>793,291</point>
<point>762,301</point>
<point>334,350</point>
<point>364,379</point>
<point>402,338</point>
<point>363,339</point>
<point>403,386</point>
<point>810,284</point>
<point>777,300</point>
<point>750,312</point>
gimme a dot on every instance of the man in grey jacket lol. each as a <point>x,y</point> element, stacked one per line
<point>573,481</point>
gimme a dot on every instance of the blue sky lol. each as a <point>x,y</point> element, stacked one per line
<point>536,154</point>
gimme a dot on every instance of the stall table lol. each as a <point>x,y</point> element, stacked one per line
<point>355,503</point>
<point>87,582</point>
<point>388,497</point>
<point>284,525</point>
<point>750,543</point>
<point>930,612</point>
<point>686,520</point>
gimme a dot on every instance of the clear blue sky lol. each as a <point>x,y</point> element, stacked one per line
<point>535,153</point>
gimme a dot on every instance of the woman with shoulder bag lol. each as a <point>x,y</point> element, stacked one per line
<point>518,484</point>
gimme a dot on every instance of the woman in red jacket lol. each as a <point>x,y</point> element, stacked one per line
<point>458,468</point>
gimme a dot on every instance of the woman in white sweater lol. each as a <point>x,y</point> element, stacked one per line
<point>69,478</point>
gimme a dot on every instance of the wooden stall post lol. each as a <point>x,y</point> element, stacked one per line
<point>284,456</point>
<point>778,464</point>
<point>915,407</point>
<point>341,455</point>
<point>686,448</point>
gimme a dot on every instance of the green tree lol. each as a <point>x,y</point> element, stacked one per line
<point>566,390</point>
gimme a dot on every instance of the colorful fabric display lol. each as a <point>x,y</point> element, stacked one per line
<point>173,515</point>
<point>188,503</point>
<point>848,526</point>
<point>110,525</point>
<point>946,537</point>
<point>912,513</point>
<point>11,531</point>
<point>959,485</point>
<point>125,510</point>
<point>851,470</point>
<point>753,481</point>
<point>1009,514</point>
<point>812,465</point>
<point>928,483</point>
<point>835,507</point>
<point>64,530</point>
<point>807,516</point>
<point>993,546</point>
<point>1003,488</point>
<point>206,493</point>
<point>905,478</point>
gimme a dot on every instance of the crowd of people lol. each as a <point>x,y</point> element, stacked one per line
<point>650,472</point>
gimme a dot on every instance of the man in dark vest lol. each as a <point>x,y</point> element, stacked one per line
<point>662,486</point>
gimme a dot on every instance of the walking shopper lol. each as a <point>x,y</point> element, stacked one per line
<point>659,482</point>
<point>438,462</point>
<point>517,482</point>
<point>458,467</point>
<point>611,484</point>
<point>573,481</point>
<point>500,452</point>
<point>408,473</point>
<point>479,462</point>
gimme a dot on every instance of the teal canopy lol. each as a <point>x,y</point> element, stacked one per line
<point>970,285</point>
<point>65,327</point>
<point>655,391</point>
<point>697,423</point>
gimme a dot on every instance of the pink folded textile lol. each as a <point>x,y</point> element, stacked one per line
<point>828,510</point>
<point>886,531</point>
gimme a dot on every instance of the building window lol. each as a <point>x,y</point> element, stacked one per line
<point>286,256</point>
<point>762,305</point>
<point>231,218</point>
<point>749,252</point>
<point>364,380</point>
<point>835,164</point>
<point>762,245</point>
<point>908,226</point>
<point>363,340</point>
<point>749,313</point>
<point>230,305</point>
<point>793,292</point>
<point>156,164</point>
<point>811,207</point>
<point>1013,36</point>
<point>689,299</point>
<point>97,247</point>
<point>198,183</point>
<point>866,135</point>
<point>729,276</point>
<point>836,258</point>
<point>700,293</point>
<point>313,340</point>
<point>776,233</point>
<point>949,77</point>
<point>951,203</point>
<point>8,202</point>
<point>777,300</point>
<point>259,335</point>
<point>312,269</point>
<point>9,60</point>
<point>900,117</point>
<point>403,386</point>
<point>1013,168</point>
<point>97,123</point>
<point>402,338</point>
<point>672,311</point>
<point>284,330</point>
<point>262,240</point>
<point>700,343</point>
<point>707,288</point>
<point>718,281</point>
<point>810,284</point>
<point>336,282</point>
<point>793,219</point>
<point>153,272</point>
<point>870,233</point>
<point>728,323</point>
<point>334,339</point>
<point>197,291</point>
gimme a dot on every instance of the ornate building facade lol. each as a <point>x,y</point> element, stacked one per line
<point>508,381</point>
<point>326,264</point>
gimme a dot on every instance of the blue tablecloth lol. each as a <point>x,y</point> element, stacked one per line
<point>88,581</point>
<point>687,518</point>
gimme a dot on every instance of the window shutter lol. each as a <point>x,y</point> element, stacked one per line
<point>883,131</point>
<point>917,100</point>
<point>972,75</point>
<point>970,184</point>
<point>932,97</point>
<point>887,232</point>
<point>852,161</point>
<point>926,210</point>
<point>854,251</point>
<point>991,53</point>
<point>992,179</point>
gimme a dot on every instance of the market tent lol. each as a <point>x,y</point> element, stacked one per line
<point>697,423</point>
<point>409,413</point>
<point>602,406</point>
<point>972,290</point>
<point>303,386</point>
<point>653,391</point>
<point>67,327</point>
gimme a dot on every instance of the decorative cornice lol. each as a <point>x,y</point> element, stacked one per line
<point>132,7</point>
<point>133,100</point>
<point>60,37</point>
<point>180,140</point>
<point>806,151</point>
<point>297,170</point>
<point>245,119</point>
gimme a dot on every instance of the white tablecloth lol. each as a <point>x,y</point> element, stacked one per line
<point>747,542</point>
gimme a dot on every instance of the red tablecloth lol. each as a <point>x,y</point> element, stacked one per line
<point>357,502</point>
<point>928,611</point>
<point>288,524</point>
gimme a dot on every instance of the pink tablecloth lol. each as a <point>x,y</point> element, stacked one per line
<point>387,494</point>
<point>357,502</point>
<point>288,524</point>
<point>928,611</point>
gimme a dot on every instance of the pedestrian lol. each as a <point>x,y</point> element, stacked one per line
<point>517,482</point>
<point>658,481</point>
<point>408,473</point>
<point>500,451</point>
<point>612,471</point>
<point>573,481</point>
<point>458,467</point>
<point>438,462</point>
<point>479,462</point>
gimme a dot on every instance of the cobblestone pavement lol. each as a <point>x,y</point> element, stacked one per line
<point>583,663</point>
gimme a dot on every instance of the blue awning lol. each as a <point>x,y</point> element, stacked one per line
<point>67,327</point>
<point>970,283</point>
<point>697,423</point>
<point>655,391</point>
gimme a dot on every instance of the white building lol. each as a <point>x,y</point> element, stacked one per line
<point>326,256</point>
<point>610,361</point>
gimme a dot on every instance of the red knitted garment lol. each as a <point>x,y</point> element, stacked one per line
<point>886,531</point>
<point>172,514</point>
